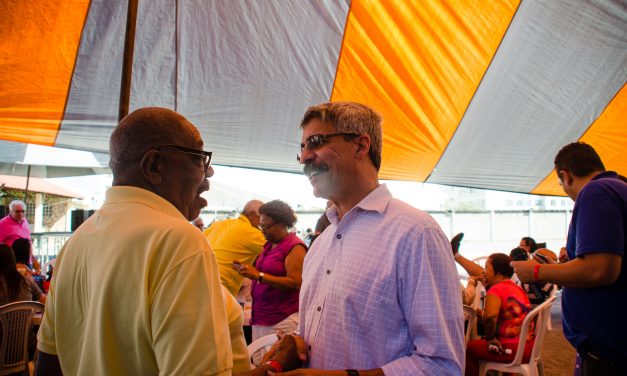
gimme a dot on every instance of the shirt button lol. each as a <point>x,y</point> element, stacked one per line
<point>339,236</point>
<point>328,272</point>
<point>319,309</point>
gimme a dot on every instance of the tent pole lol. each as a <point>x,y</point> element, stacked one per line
<point>127,63</point>
<point>26,190</point>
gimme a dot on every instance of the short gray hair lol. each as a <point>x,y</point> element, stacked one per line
<point>351,117</point>
<point>144,129</point>
<point>17,202</point>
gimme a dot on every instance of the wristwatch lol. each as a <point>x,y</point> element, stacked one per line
<point>261,275</point>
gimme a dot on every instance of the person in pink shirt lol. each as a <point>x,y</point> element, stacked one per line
<point>15,226</point>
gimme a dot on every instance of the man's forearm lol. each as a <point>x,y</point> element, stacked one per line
<point>595,270</point>
<point>471,268</point>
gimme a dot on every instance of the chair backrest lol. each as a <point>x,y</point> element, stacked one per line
<point>470,316</point>
<point>540,315</point>
<point>15,324</point>
<point>260,346</point>
<point>480,293</point>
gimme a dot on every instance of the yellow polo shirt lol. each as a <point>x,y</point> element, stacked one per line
<point>234,239</point>
<point>136,292</point>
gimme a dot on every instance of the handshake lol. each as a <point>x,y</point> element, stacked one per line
<point>287,354</point>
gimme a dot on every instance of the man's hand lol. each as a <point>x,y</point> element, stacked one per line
<point>563,255</point>
<point>524,270</point>
<point>309,372</point>
<point>290,351</point>
<point>546,260</point>
<point>319,372</point>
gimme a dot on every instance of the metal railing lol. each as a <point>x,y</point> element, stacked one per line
<point>46,245</point>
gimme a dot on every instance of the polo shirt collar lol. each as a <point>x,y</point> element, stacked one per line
<point>605,174</point>
<point>13,219</point>
<point>245,219</point>
<point>120,194</point>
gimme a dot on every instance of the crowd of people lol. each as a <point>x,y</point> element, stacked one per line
<point>506,303</point>
<point>139,290</point>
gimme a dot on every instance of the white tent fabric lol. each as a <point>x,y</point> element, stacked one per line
<point>49,162</point>
<point>475,94</point>
<point>535,80</point>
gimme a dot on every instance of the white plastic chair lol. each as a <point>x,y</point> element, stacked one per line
<point>16,320</point>
<point>553,294</point>
<point>470,316</point>
<point>534,367</point>
<point>259,347</point>
<point>480,293</point>
<point>481,260</point>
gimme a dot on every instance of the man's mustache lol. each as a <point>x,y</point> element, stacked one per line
<point>310,168</point>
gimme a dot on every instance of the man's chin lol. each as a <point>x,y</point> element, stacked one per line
<point>194,211</point>
<point>319,191</point>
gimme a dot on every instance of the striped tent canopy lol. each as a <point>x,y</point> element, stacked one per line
<point>473,93</point>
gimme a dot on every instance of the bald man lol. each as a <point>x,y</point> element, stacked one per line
<point>236,239</point>
<point>136,288</point>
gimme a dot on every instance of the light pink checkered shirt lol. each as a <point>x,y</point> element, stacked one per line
<point>380,290</point>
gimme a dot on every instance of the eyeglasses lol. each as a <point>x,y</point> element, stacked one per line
<point>315,141</point>
<point>19,211</point>
<point>203,156</point>
<point>263,227</point>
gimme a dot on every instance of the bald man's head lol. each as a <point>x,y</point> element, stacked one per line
<point>159,150</point>
<point>144,129</point>
<point>251,211</point>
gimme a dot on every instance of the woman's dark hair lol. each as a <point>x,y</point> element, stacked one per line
<point>518,254</point>
<point>500,264</point>
<point>531,243</point>
<point>21,249</point>
<point>322,223</point>
<point>279,211</point>
<point>11,281</point>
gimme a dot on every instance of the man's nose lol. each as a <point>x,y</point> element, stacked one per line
<point>204,186</point>
<point>306,155</point>
<point>209,172</point>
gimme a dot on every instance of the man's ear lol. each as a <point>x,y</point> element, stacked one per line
<point>363,146</point>
<point>566,177</point>
<point>152,166</point>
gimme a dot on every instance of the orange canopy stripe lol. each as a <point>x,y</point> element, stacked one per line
<point>606,135</point>
<point>40,40</point>
<point>418,63</point>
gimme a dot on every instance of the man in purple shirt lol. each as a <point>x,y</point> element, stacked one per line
<point>14,225</point>
<point>594,273</point>
<point>380,292</point>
